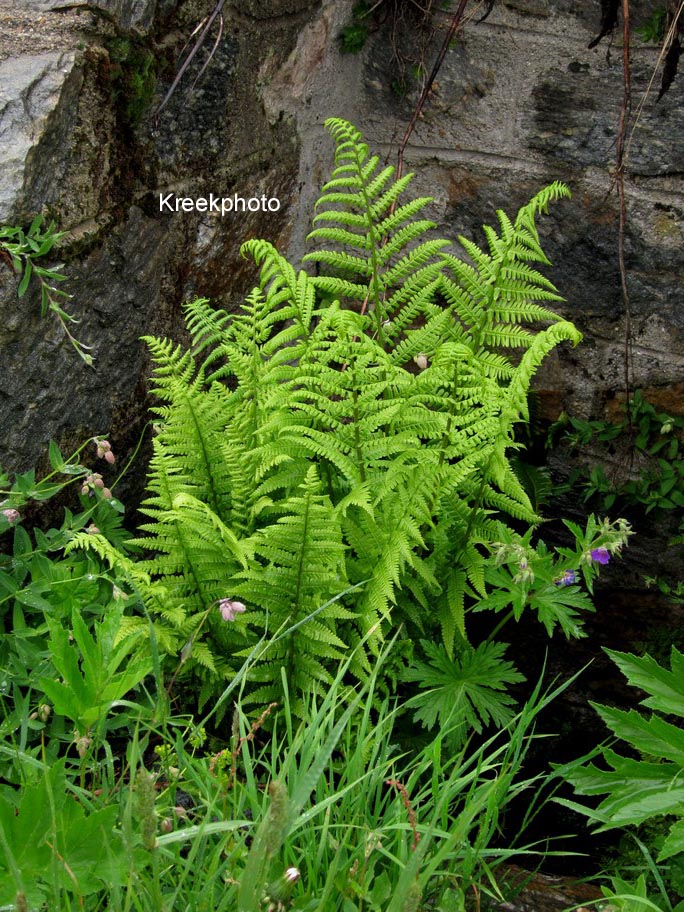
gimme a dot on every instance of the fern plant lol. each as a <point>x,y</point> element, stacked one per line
<point>348,429</point>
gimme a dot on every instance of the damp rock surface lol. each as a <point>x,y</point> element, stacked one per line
<point>82,146</point>
<point>520,100</point>
<point>533,891</point>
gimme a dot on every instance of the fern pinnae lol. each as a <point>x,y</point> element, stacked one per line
<point>372,186</point>
<point>500,278</point>
<point>210,331</point>
<point>191,429</point>
<point>340,288</point>
<point>281,284</point>
<point>346,262</point>
<point>516,394</point>
<point>340,236</point>
<point>380,212</point>
<point>518,507</point>
<point>411,262</point>
<point>415,295</point>
<point>300,565</point>
<point>207,518</point>
<point>373,201</point>
<point>406,235</point>
<point>390,224</point>
<point>342,217</point>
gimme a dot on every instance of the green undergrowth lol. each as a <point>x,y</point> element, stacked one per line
<point>210,712</point>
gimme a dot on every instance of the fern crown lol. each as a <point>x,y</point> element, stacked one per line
<point>353,428</point>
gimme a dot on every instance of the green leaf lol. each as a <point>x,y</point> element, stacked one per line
<point>33,599</point>
<point>56,458</point>
<point>637,790</point>
<point>35,226</point>
<point>674,842</point>
<point>81,850</point>
<point>25,279</point>
<point>470,687</point>
<point>651,736</point>
<point>665,688</point>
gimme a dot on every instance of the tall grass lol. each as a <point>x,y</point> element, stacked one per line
<point>367,825</point>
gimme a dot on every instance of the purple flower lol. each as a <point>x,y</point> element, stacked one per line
<point>567,579</point>
<point>600,555</point>
<point>229,609</point>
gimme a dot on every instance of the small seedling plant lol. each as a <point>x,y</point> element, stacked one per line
<point>20,249</point>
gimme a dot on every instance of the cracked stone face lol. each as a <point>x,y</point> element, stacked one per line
<point>128,14</point>
<point>69,150</point>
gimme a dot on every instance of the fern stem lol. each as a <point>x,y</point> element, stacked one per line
<point>205,457</point>
<point>374,286</point>
<point>446,436</point>
<point>357,435</point>
<point>297,594</point>
<point>477,502</point>
<point>325,465</point>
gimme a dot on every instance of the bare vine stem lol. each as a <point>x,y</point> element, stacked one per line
<point>669,38</point>
<point>448,38</point>
<point>620,162</point>
<point>205,26</point>
<point>456,21</point>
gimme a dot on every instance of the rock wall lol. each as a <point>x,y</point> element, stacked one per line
<point>78,143</point>
<point>520,101</point>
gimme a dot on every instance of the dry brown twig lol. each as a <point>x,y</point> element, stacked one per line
<point>448,38</point>
<point>205,27</point>
<point>625,134</point>
<point>454,25</point>
<point>401,788</point>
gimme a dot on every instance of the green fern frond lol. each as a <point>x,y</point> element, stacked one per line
<point>191,423</point>
<point>518,507</point>
<point>124,566</point>
<point>383,250</point>
<point>516,395</point>
<point>298,566</point>
<point>499,289</point>
<point>452,610</point>
<point>210,331</point>
<point>305,445</point>
<point>536,481</point>
<point>171,619</point>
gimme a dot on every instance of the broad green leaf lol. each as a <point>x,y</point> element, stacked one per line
<point>650,736</point>
<point>666,688</point>
<point>674,842</point>
<point>33,599</point>
<point>470,687</point>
